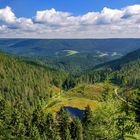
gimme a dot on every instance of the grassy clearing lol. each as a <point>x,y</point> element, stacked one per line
<point>79,97</point>
<point>93,92</point>
<point>80,103</point>
<point>71,52</point>
<point>55,91</point>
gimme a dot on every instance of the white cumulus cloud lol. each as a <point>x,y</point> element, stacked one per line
<point>51,23</point>
<point>6,15</point>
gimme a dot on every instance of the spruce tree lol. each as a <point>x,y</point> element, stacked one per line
<point>64,124</point>
<point>76,129</point>
<point>17,119</point>
<point>38,119</point>
<point>50,128</point>
<point>88,124</point>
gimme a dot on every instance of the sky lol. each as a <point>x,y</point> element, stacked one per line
<point>69,18</point>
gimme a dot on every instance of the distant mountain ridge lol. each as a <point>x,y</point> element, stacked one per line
<point>132,56</point>
<point>123,71</point>
<point>50,47</point>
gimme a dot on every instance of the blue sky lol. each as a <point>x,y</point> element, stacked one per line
<point>70,18</point>
<point>28,8</point>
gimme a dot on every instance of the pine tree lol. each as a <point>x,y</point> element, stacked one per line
<point>88,124</point>
<point>64,124</point>
<point>4,111</point>
<point>50,130</point>
<point>76,129</point>
<point>5,118</point>
<point>34,135</point>
<point>38,119</point>
<point>136,104</point>
<point>17,120</point>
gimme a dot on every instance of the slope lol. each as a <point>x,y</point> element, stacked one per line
<point>28,82</point>
<point>50,47</point>
<point>124,71</point>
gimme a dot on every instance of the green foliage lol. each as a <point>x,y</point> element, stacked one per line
<point>26,87</point>
<point>88,124</point>
<point>28,82</point>
<point>50,127</point>
<point>76,129</point>
<point>69,83</point>
<point>64,124</point>
<point>124,72</point>
<point>97,91</point>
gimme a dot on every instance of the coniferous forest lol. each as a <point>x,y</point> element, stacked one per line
<point>34,95</point>
<point>69,69</point>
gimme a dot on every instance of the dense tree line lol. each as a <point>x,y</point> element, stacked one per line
<point>27,81</point>
<point>18,123</point>
<point>25,90</point>
<point>126,75</point>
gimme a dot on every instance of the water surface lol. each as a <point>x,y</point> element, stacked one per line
<point>74,112</point>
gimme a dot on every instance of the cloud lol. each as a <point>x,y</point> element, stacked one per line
<point>51,17</point>
<point>51,23</point>
<point>109,16</point>
<point>9,20</point>
<point>7,16</point>
<point>55,18</point>
<point>132,10</point>
<point>3,28</point>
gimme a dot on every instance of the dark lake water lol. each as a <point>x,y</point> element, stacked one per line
<point>74,112</point>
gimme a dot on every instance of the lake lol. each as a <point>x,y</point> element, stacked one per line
<point>74,112</point>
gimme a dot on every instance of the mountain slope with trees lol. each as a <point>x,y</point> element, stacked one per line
<point>124,71</point>
<point>27,87</point>
<point>70,54</point>
<point>49,47</point>
<point>27,81</point>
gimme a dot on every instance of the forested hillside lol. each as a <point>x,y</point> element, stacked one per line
<point>52,47</point>
<point>27,81</point>
<point>70,54</point>
<point>34,97</point>
<point>124,71</point>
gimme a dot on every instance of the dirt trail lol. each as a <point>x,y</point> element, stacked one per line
<point>128,103</point>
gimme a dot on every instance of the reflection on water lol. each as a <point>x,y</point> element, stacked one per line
<point>74,112</point>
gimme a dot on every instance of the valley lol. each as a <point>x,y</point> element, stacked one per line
<point>89,91</point>
<point>70,70</point>
<point>70,54</point>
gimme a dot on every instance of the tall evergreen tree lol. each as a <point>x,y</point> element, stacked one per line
<point>64,124</point>
<point>38,119</point>
<point>5,117</point>
<point>76,129</point>
<point>88,123</point>
<point>50,128</point>
<point>17,119</point>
